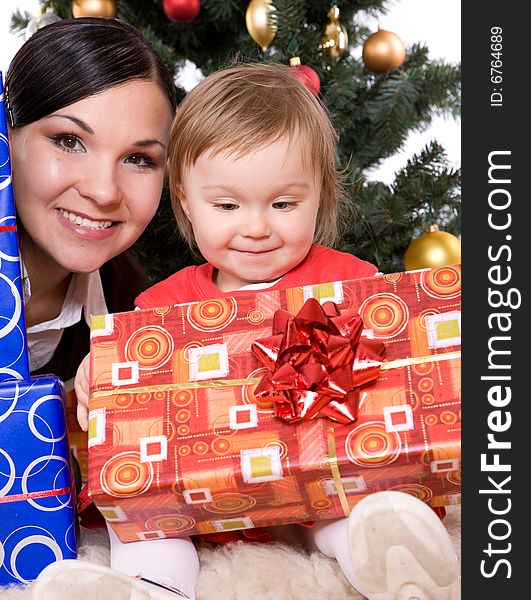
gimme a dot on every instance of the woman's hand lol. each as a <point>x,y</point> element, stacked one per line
<point>81,386</point>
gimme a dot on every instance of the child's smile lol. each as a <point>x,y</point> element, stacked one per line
<point>253,217</point>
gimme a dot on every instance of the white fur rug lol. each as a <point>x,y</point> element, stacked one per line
<point>244,571</point>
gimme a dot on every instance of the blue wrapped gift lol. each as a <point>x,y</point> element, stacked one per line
<point>13,349</point>
<point>38,523</point>
<point>38,519</point>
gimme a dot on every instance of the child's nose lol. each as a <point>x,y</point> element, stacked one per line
<point>256,226</point>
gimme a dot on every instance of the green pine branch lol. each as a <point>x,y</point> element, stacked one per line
<point>373,114</point>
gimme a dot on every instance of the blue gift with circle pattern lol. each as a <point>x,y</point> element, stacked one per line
<point>38,520</point>
<point>13,349</point>
<point>38,523</point>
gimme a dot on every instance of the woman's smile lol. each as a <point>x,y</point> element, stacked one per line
<point>85,221</point>
<point>86,228</point>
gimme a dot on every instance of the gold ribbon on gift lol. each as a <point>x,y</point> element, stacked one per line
<point>334,468</point>
<point>221,383</point>
<point>175,387</point>
<point>418,360</point>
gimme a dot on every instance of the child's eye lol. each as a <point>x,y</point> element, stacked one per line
<point>141,160</point>
<point>227,207</point>
<point>283,205</point>
<point>68,142</point>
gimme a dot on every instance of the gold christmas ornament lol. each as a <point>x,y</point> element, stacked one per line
<point>383,51</point>
<point>93,8</point>
<point>433,249</point>
<point>259,22</point>
<point>335,38</point>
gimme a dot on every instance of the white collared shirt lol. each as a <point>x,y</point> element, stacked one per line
<point>84,298</point>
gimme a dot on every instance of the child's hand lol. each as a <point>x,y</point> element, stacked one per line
<point>81,386</point>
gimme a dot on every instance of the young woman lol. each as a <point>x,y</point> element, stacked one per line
<point>90,104</point>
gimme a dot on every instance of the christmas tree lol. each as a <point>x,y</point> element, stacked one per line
<point>372,109</point>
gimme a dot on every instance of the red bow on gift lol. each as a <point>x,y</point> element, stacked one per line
<point>317,361</point>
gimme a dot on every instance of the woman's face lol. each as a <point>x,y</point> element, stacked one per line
<point>87,179</point>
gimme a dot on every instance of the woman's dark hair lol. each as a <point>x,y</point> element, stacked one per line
<point>69,60</point>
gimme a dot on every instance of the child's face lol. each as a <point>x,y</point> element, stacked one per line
<point>253,217</point>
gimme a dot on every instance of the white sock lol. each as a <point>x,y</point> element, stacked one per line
<point>169,561</point>
<point>331,538</point>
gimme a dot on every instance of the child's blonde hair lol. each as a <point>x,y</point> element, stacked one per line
<point>239,109</point>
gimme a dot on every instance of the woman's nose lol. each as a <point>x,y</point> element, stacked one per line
<point>101,185</point>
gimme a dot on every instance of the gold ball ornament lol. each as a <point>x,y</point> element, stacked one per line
<point>335,38</point>
<point>93,8</point>
<point>383,51</point>
<point>259,20</point>
<point>433,249</point>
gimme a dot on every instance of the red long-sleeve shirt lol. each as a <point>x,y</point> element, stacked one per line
<point>194,284</point>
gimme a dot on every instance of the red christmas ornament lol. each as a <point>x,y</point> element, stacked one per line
<point>306,75</point>
<point>181,10</point>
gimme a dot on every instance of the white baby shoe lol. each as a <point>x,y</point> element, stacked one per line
<point>82,580</point>
<point>400,550</point>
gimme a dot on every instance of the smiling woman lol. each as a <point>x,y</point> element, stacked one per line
<point>100,183</point>
<point>90,104</point>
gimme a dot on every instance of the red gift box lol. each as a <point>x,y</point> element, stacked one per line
<point>179,444</point>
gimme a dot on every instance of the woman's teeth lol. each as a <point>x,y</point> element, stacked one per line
<point>84,222</point>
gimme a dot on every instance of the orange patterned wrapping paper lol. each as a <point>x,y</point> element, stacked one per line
<point>178,444</point>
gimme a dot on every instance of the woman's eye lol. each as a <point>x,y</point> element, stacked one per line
<point>141,160</point>
<point>68,142</point>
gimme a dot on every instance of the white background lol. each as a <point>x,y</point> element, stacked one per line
<point>435,23</point>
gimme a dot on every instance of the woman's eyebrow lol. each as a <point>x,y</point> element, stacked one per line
<point>80,123</point>
<point>75,120</point>
<point>149,142</point>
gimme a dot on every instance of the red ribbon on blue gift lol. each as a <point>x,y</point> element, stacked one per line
<point>317,361</point>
